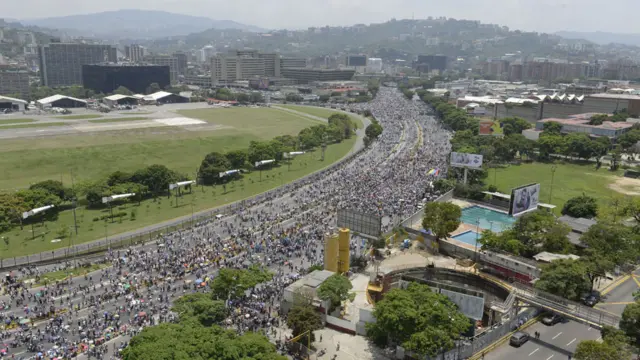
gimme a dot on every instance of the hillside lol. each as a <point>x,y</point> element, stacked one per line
<point>602,38</point>
<point>142,24</point>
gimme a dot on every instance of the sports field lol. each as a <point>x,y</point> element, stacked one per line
<point>570,180</point>
<point>92,156</point>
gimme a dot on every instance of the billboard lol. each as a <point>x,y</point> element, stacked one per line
<point>357,60</point>
<point>366,224</point>
<point>486,127</point>
<point>524,199</point>
<point>473,161</point>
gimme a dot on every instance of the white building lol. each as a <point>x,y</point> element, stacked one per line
<point>374,65</point>
<point>12,103</point>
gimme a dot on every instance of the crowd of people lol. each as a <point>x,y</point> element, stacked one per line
<point>97,313</point>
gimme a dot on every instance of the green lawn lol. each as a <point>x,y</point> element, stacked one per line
<point>320,112</point>
<point>150,212</point>
<point>53,276</point>
<point>79,117</point>
<point>16,121</point>
<point>570,180</point>
<point>122,119</point>
<point>36,125</point>
<point>92,156</point>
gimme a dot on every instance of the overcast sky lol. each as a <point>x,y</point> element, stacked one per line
<point>538,15</point>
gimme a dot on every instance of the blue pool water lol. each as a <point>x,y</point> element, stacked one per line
<point>468,237</point>
<point>489,219</point>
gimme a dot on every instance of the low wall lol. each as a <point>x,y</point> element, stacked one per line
<point>340,325</point>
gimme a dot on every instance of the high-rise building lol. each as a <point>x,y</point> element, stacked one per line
<point>105,78</point>
<point>206,53</point>
<point>271,63</point>
<point>167,60</point>
<point>14,82</point>
<point>244,65</point>
<point>356,60</point>
<point>434,62</point>
<point>182,62</point>
<point>374,65</point>
<point>135,53</point>
<point>61,63</point>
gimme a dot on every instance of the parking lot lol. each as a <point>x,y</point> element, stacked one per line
<point>556,342</point>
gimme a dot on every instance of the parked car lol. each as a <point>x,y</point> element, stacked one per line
<point>552,319</point>
<point>518,339</point>
<point>592,300</point>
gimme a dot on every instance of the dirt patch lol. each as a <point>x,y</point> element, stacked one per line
<point>626,186</point>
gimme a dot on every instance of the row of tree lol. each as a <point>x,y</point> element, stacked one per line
<point>340,127</point>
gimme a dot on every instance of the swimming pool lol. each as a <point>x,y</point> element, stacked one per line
<point>468,237</point>
<point>489,219</point>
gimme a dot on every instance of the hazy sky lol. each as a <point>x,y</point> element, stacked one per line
<point>538,15</point>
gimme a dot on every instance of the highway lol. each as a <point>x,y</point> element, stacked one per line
<point>282,232</point>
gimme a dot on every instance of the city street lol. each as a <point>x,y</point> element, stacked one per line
<point>619,295</point>
<point>556,342</point>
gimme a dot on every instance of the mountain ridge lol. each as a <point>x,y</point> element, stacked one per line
<point>602,37</point>
<point>133,23</point>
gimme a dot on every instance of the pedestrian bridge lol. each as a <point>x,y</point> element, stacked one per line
<point>570,309</point>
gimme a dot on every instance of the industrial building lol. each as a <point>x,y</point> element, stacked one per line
<point>105,78</point>
<point>307,75</point>
<point>61,63</point>
<point>60,101</point>
<point>118,99</point>
<point>14,82</point>
<point>166,60</point>
<point>580,124</point>
<point>336,251</point>
<point>163,97</point>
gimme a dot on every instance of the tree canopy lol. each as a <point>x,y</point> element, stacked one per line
<point>336,289</point>
<point>564,277</point>
<point>582,206</point>
<point>441,218</point>
<point>201,308</point>
<point>232,283</point>
<point>418,319</point>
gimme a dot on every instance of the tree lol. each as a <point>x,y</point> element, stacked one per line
<point>631,207</point>
<point>630,322</point>
<point>153,88</point>
<point>53,187</point>
<point>594,350</point>
<point>303,317</point>
<point>549,145</point>
<point>232,283</point>
<point>336,289</point>
<point>418,319</point>
<point>408,94</point>
<point>11,209</point>
<point>256,97</point>
<point>582,206</point>
<point>211,167</point>
<point>156,178</point>
<point>373,130</point>
<point>237,158</point>
<point>564,277</point>
<point>552,127</point>
<point>612,242</point>
<point>441,186</point>
<point>201,308</point>
<point>441,218</point>
<point>500,242</point>
<point>324,98</point>
<point>514,125</point>
<point>598,119</point>
<point>243,98</point>
<point>185,341</point>
<point>343,122</point>
<point>124,91</point>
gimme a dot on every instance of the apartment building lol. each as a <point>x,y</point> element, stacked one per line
<point>61,63</point>
<point>14,82</point>
<point>135,53</point>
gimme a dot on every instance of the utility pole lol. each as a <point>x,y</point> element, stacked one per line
<point>75,204</point>
<point>553,172</point>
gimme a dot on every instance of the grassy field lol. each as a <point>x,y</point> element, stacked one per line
<point>36,125</point>
<point>570,180</point>
<point>20,242</point>
<point>79,117</point>
<point>320,112</point>
<point>15,121</point>
<point>92,156</point>
<point>109,120</point>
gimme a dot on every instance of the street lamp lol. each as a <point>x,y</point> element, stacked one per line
<point>477,238</point>
<point>553,172</point>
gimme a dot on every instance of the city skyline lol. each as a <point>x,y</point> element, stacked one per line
<point>541,16</point>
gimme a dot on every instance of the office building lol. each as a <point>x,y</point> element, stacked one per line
<point>356,60</point>
<point>289,62</point>
<point>182,62</point>
<point>427,63</point>
<point>206,53</point>
<point>580,124</point>
<point>244,65</point>
<point>61,63</point>
<point>14,82</point>
<point>374,65</point>
<point>271,63</point>
<point>166,60</point>
<point>307,75</point>
<point>135,53</point>
<point>105,78</point>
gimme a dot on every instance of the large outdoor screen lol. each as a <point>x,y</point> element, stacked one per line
<point>524,199</point>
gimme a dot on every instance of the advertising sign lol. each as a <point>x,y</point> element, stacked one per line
<point>366,224</point>
<point>472,161</point>
<point>524,199</point>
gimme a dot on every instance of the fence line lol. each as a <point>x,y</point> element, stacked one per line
<point>139,237</point>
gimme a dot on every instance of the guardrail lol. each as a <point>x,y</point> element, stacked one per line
<point>150,233</point>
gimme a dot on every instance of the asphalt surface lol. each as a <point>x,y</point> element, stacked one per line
<point>616,298</point>
<point>557,342</point>
<point>391,173</point>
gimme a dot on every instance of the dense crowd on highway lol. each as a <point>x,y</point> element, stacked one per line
<point>95,314</point>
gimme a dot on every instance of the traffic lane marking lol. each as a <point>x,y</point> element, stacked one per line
<point>617,303</point>
<point>571,342</point>
<point>636,280</point>
<point>534,351</point>
<point>549,358</point>
<point>615,284</point>
<point>560,333</point>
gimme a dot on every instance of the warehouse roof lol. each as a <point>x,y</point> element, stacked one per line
<point>159,95</point>
<point>117,97</point>
<point>53,98</point>
<point>13,100</point>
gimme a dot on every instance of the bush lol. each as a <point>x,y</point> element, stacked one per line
<point>473,192</point>
<point>582,206</point>
<point>443,185</point>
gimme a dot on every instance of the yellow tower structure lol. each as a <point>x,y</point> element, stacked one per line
<point>331,252</point>
<point>344,240</point>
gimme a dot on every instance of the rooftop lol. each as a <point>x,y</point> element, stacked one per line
<point>12,100</point>
<point>312,280</point>
<point>580,225</point>
<point>615,96</point>
<point>549,257</point>
<point>585,123</point>
<point>57,97</point>
<point>117,97</point>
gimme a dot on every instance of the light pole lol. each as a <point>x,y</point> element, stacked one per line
<point>477,238</point>
<point>553,173</point>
